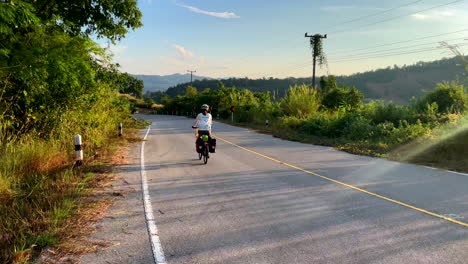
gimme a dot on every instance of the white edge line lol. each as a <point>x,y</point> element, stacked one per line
<point>459,173</point>
<point>449,171</point>
<point>158,253</point>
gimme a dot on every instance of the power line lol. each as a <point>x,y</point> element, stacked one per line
<point>393,18</point>
<point>396,17</point>
<point>374,14</point>
<point>461,44</point>
<point>406,41</point>
<point>396,53</point>
<point>399,48</point>
<point>246,58</point>
<point>380,52</point>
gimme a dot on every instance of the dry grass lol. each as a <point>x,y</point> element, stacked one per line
<point>42,197</point>
<point>92,206</point>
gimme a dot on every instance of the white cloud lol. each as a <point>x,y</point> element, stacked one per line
<point>420,16</point>
<point>186,55</point>
<point>434,15</point>
<point>209,13</point>
<point>182,51</point>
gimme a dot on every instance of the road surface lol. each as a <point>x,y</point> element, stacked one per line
<point>265,200</point>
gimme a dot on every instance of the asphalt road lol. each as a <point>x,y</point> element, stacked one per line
<point>245,208</point>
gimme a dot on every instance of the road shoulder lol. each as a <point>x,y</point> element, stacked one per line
<point>124,225</point>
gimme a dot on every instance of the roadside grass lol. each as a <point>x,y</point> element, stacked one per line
<point>445,147</point>
<point>41,192</point>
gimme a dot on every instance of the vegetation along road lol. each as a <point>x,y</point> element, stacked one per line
<point>346,144</point>
<point>261,199</point>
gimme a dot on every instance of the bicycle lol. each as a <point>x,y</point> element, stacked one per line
<point>204,151</point>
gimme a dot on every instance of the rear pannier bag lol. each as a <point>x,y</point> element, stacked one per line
<point>213,145</point>
<point>199,145</point>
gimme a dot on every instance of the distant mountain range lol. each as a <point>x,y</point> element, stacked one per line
<point>155,83</point>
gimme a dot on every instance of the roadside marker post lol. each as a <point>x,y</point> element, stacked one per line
<point>120,129</point>
<point>78,150</point>
<point>232,109</point>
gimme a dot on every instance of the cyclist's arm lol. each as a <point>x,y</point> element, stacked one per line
<point>195,123</point>
<point>210,120</point>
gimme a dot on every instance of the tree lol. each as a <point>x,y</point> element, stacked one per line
<point>191,91</point>
<point>15,16</point>
<point>166,100</point>
<point>131,85</point>
<point>49,65</point>
<point>105,18</point>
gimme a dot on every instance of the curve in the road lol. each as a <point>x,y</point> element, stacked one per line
<point>347,185</point>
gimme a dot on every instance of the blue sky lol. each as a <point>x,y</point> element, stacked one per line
<point>265,38</point>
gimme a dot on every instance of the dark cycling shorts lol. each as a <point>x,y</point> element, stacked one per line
<point>203,132</point>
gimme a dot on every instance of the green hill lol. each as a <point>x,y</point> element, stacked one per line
<point>398,83</point>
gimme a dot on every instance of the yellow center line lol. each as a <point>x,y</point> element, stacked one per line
<point>348,185</point>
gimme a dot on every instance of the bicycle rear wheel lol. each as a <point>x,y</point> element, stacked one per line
<point>205,155</point>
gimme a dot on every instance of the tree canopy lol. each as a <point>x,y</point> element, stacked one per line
<point>105,18</point>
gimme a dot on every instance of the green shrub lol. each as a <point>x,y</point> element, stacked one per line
<point>301,101</point>
<point>319,125</point>
<point>360,129</point>
<point>450,97</point>
<point>379,112</point>
<point>344,97</point>
<point>406,132</point>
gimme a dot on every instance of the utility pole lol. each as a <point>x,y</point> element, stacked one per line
<point>191,76</point>
<point>316,37</point>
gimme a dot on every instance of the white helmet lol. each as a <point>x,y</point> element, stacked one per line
<point>205,107</point>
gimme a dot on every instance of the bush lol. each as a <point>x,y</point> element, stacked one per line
<point>318,125</point>
<point>349,98</point>
<point>301,101</point>
<point>379,112</point>
<point>406,132</point>
<point>360,129</point>
<point>449,98</point>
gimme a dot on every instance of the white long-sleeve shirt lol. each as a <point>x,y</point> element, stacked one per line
<point>203,122</point>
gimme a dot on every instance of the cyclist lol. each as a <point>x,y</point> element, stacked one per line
<point>203,122</point>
